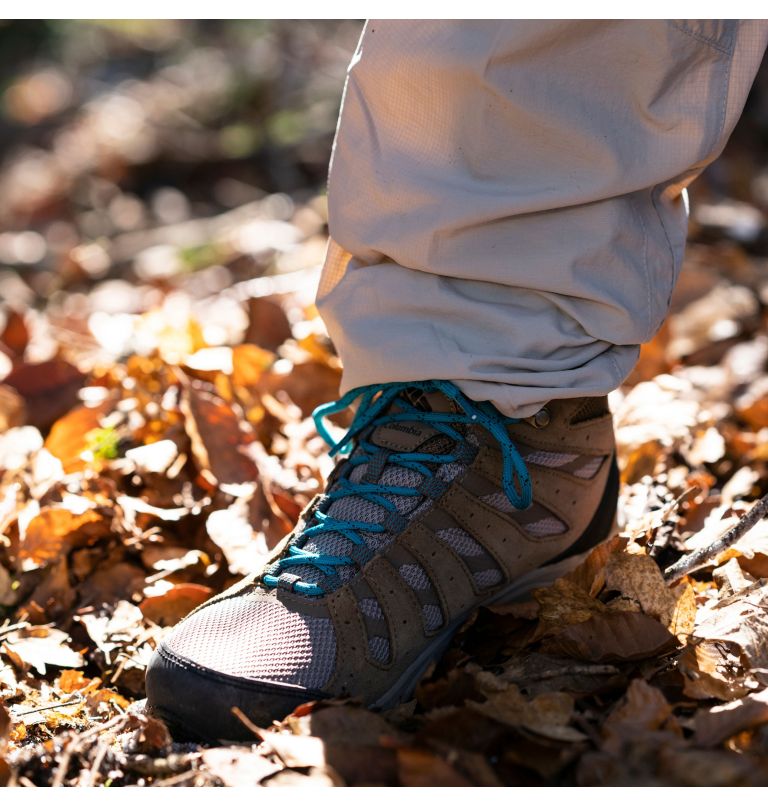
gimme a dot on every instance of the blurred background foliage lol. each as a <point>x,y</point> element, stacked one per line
<point>111,128</point>
<point>124,144</point>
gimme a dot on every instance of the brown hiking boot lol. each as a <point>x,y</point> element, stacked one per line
<point>443,505</point>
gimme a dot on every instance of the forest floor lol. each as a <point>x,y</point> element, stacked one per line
<point>160,357</point>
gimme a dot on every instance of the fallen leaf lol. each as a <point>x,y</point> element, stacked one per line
<point>15,333</point>
<point>170,607</point>
<point>613,636</point>
<point>419,767</point>
<point>547,714</point>
<point>716,724</point>
<point>683,618</point>
<point>238,767</point>
<point>57,530</point>
<point>13,410</point>
<point>218,441</point>
<point>562,604</point>
<point>41,647</point>
<point>68,437</point>
<point>638,577</point>
<point>49,389</point>
<point>268,325</point>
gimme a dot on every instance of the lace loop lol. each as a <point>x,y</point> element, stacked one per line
<point>373,410</point>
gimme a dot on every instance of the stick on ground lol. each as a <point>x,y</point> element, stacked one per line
<point>698,559</point>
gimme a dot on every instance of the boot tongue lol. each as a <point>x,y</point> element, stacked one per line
<point>409,436</point>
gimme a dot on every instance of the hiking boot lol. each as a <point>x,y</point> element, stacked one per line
<point>442,505</point>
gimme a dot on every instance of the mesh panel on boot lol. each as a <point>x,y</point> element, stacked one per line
<point>433,616</point>
<point>461,542</point>
<point>378,648</point>
<point>488,578</point>
<point>255,637</point>
<point>371,608</point>
<point>483,567</point>
<point>543,526</point>
<point>418,580</point>
<point>589,469</point>
<point>549,458</point>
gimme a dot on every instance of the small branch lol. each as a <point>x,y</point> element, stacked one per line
<point>698,559</point>
<point>12,628</point>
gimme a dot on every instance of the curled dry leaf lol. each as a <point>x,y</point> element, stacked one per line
<point>728,646</point>
<point>637,577</point>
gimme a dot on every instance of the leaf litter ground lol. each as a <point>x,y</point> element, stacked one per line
<point>151,457</point>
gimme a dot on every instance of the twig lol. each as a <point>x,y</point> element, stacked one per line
<point>177,779</point>
<point>62,704</point>
<point>93,775</point>
<point>12,628</point>
<point>76,743</point>
<point>698,559</point>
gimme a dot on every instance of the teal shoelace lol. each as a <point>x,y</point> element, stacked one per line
<point>373,411</point>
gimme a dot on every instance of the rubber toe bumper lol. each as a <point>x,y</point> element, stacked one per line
<point>197,703</point>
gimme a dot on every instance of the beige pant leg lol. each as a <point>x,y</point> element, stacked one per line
<point>505,196</point>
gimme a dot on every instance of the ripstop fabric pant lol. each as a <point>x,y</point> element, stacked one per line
<point>506,198</point>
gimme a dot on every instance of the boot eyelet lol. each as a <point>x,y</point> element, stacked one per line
<point>542,418</point>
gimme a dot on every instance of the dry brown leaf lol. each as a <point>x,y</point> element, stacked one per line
<point>13,410</point>
<point>637,577</point>
<point>236,766</point>
<point>643,709</point>
<point>419,767</point>
<point>683,617</point>
<point>56,530</point>
<point>68,437</point>
<point>562,604</point>
<point>590,574</point>
<point>547,715</point>
<point>613,635</point>
<point>268,326</point>
<point>308,385</point>
<point>740,622</point>
<point>171,606</point>
<point>40,647</point>
<point>714,725</point>
<point>49,389</point>
<point>218,441</point>
<point>15,333</point>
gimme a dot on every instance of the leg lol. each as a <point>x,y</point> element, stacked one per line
<point>506,218</point>
<point>505,197</point>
